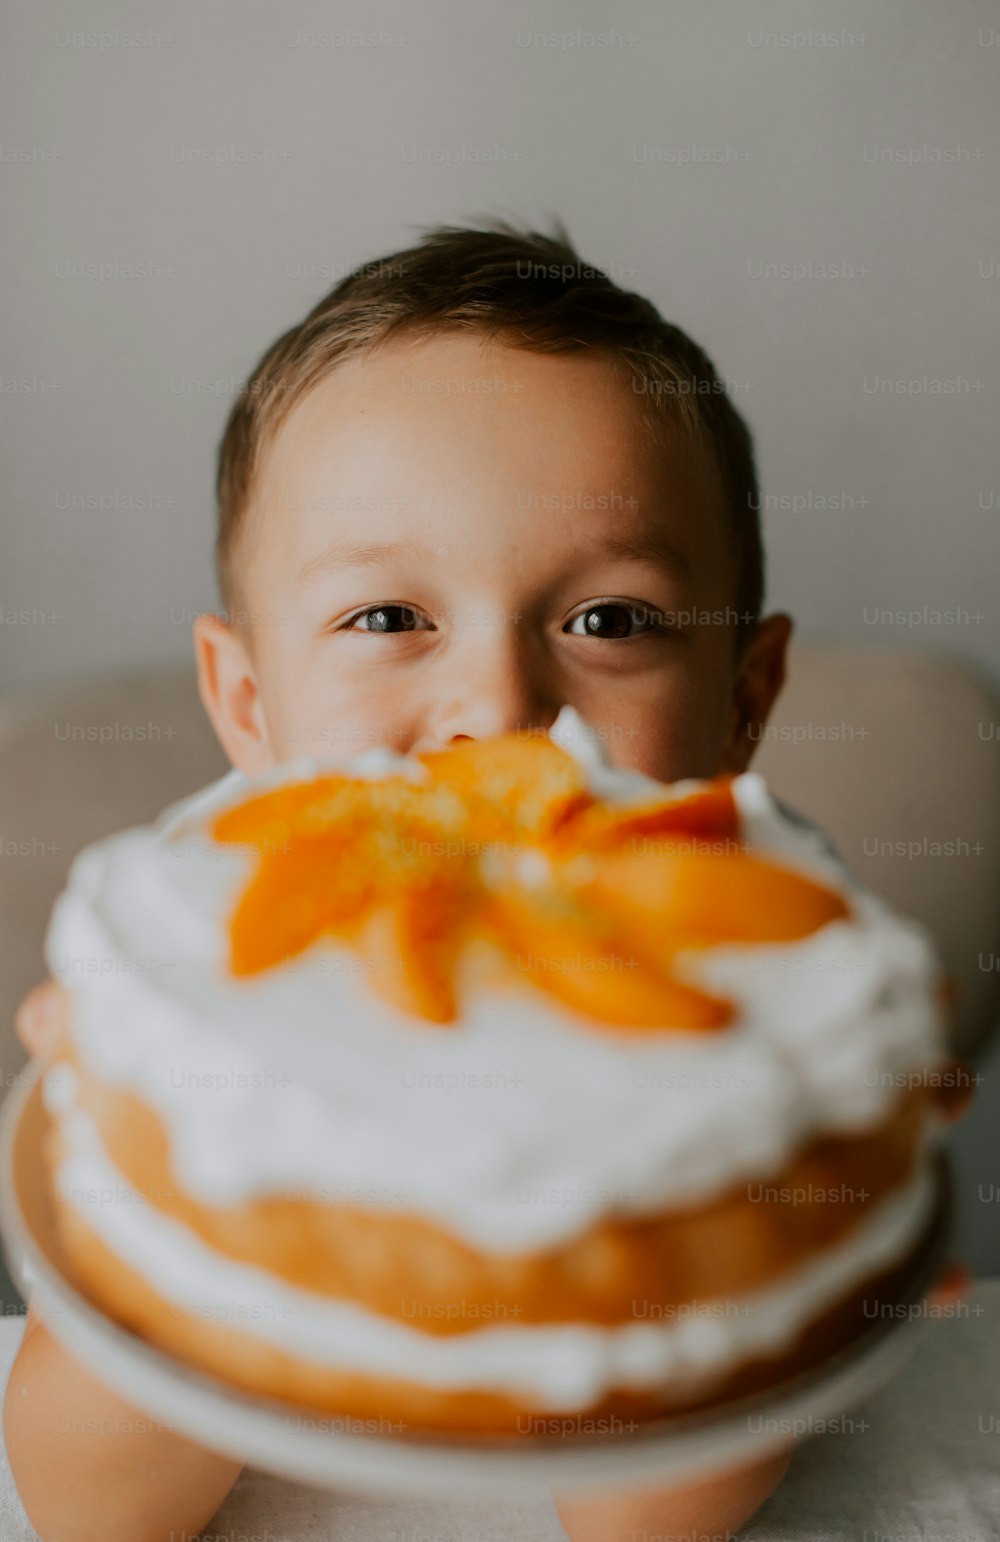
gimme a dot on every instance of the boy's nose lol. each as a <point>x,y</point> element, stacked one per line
<point>482,703</point>
<point>495,683</point>
<point>486,725</point>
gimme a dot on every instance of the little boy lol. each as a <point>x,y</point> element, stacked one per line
<point>477,482</point>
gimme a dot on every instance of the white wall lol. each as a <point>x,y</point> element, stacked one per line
<point>116,155</point>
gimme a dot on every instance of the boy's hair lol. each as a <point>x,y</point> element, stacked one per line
<point>528,290</point>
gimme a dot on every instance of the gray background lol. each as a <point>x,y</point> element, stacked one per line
<point>117,388</point>
<point>242,168</point>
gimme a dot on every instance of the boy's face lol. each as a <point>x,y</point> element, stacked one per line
<point>453,538</point>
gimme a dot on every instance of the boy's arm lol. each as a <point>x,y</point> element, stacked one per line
<point>91,1468</point>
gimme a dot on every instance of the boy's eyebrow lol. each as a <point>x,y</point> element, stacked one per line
<point>653,547</point>
<point>349,554</point>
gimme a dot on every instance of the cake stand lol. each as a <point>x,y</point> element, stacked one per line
<point>310,1446</point>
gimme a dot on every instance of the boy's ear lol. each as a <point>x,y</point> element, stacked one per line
<point>760,675</point>
<point>228,688</point>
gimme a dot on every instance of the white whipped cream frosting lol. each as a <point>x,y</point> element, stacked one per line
<point>561,1366</point>
<point>524,1123</point>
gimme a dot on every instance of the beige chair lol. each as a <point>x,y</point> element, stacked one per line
<point>896,755</point>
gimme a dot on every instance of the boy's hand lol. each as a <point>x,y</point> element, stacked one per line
<point>40,1020</point>
<point>951,1285</point>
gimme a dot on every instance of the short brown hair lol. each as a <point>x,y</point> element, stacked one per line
<point>530,290</point>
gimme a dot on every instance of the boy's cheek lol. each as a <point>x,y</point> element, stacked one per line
<point>672,728</point>
<point>674,752</point>
<point>328,718</point>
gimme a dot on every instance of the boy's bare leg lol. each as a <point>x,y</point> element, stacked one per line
<point>716,1507</point>
<point>90,1467</point>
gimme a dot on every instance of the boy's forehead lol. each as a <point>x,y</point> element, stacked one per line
<point>452,431</point>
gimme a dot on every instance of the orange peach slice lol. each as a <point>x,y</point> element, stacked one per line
<point>708,818</point>
<point>710,899</point>
<point>410,943</point>
<point>291,901</point>
<point>568,955</point>
<point>391,867</point>
<point>315,808</point>
<point>514,783</point>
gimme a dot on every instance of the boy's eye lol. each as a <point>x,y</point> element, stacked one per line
<point>615,619</point>
<point>610,620</point>
<point>386,618</point>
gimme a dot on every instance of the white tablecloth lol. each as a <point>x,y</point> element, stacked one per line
<point>919,1461</point>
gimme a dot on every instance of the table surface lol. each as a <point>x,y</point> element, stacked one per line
<point>920,1460</point>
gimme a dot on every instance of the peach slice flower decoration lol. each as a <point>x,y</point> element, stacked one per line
<point>502,842</point>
